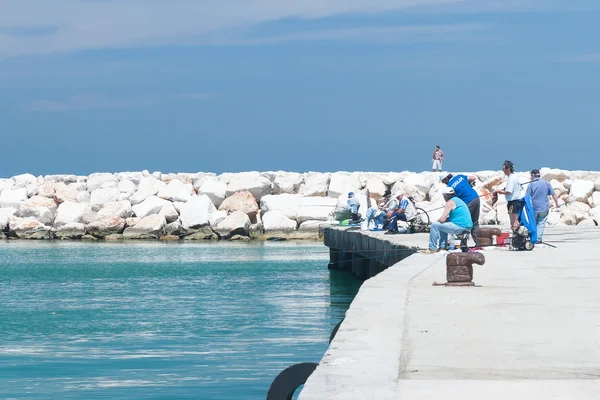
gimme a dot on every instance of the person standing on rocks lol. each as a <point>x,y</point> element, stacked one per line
<point>437,159</point>
<point>539,190</point>
<point>512,193</point>
<point>463,187</point>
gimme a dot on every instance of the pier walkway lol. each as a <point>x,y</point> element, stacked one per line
<point>531,330</point>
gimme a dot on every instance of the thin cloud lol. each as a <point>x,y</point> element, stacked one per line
<point>81,102</point>
<point>391,34</point>
<point>45,27</point>
<point>586,58</point>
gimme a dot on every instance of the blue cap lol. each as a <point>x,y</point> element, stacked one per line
<point>351,194</point>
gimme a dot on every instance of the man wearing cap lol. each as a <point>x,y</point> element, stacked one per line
<point>353,205</point>
<point>539,190</point>
<point>406,211</point>
<point>463,187</point>
<point>512,193</point>
<point>455,219</point>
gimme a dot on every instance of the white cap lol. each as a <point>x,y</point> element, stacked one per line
<point>396,194</point>
<point>448,190</point>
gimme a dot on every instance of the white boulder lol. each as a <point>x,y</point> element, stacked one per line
<point>13,198</point>
<point>95,181</point>
<point>177,191</point>
<point>243,201</point>
<point>236,223</point>
<point>286,203</point>
<point>196,212</point>
<point>65,193</point>
<point>6,184</point>
<point>134,177</point>
<point>342,183</point>
<point>169,212</point>
<point>316,208</point>
<point>106,226</point>
<point>121,209</point>
<point>558,187</point>
<point>149,186</point>
<point>589,222</point>
<point>214,189</point>
<point>150,227</point>
<point>174,228</point>
<point>422,182</point>
<point>102,196</point>
<point>558,174</point>
<point>310,226</point>
<point>375,186</point>
<point>74,230</point>
<point>315,184</point>
<point>259,186</point>
<point>152,205</point>
<point>28,228</point>
<point>25,181</point>
<point>69,212</point>
<point>594,213</point>
<point>287,183</point>
<point>217,217</point>
<point>5,214</point>
<point>594,199</point>
<point>277,221</point>
<point>581,190</point>
<point>41,208</point>
<point>83,197</point>
<point>584,175</point>
<point>200,178</point>
<point>128,187</point>
<point>575,212</point>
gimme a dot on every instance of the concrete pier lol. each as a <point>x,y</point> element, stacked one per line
<point>365,254</point>
<point>530,330</point>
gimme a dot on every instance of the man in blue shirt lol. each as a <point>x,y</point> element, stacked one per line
<point>539,190</point>
<point>463,187</point>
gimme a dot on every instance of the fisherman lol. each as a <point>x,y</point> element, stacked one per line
<point>539,190</point>
<point>512,193</point>
<point>406,211</point>
<point>454,220</point>
<point>379,214</point>
<point>463,187</point>
<point>353,205</point>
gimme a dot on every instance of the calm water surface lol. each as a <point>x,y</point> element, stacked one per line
<point>162,321</point>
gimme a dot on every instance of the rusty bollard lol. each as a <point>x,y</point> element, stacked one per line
<point>459,268</point>
<point>485,236</point>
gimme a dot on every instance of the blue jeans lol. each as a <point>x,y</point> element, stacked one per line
<point>393,222</point>
<point>540,219</point>
<point>438,233</point>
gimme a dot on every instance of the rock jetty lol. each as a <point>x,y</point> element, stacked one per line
<point>242,206</point>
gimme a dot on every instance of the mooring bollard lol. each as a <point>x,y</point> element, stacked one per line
<point>485,236</point>
<point>459,268</point>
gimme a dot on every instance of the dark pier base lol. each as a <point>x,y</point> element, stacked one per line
<point>362,255</point>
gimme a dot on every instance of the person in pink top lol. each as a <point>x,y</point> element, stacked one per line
<point>437,158</point>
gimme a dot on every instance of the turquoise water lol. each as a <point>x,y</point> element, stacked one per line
<point>162,321</point>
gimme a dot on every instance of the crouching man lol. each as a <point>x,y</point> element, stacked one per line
<point>455,219</point>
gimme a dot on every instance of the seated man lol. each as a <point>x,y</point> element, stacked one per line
<point>353,205</point>
<point>455,219</point>
<point>379,214</point>
<point>406,211</point>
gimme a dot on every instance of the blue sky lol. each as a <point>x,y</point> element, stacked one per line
<point>304,85</point>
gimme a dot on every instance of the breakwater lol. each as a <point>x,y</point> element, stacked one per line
<point>243,206</point>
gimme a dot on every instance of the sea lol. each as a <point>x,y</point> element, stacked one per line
<point>153,320</point>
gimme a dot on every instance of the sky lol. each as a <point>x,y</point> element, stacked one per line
<point>297,85</point>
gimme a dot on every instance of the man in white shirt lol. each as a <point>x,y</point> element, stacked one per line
<point>512,193</point>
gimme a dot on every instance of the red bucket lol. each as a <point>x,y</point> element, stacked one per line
<point>503,239</point>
